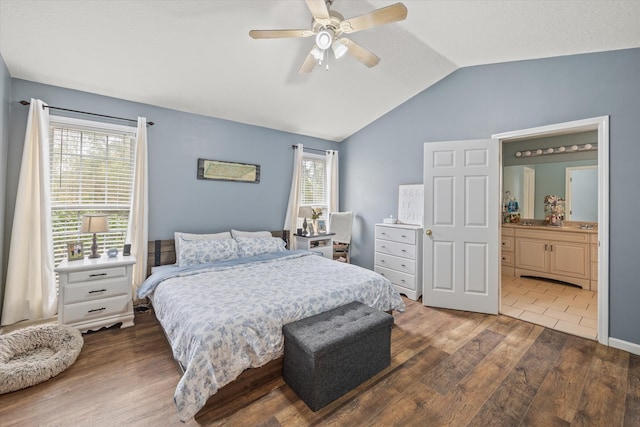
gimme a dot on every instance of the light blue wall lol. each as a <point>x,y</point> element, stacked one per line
<point>5,94</point>
<point>178,201</point>
<point>477,102</point>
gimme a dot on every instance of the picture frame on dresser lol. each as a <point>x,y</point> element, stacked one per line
<point>75,251</point>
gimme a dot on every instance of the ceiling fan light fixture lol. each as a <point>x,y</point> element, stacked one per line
<point>339,49</point>
<point>324,39</point>
<point>317,54</point>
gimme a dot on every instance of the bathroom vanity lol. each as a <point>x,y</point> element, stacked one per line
<point>568,253</point>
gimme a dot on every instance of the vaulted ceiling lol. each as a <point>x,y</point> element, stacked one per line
<point>197,56</point>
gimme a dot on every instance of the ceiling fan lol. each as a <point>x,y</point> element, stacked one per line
<point>329,27</point>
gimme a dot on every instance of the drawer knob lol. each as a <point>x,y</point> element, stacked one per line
<point>428,232</point>
<point>97,290</point>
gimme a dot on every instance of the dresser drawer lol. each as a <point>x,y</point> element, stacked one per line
<point>96,289</point>
<point>104,307</point>
<point>403,250</point>
<point>400,235</point>
<point>397,278</point>
<point>97,274</point>
<point>404,265</point>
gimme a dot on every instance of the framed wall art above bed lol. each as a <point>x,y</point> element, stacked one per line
<point>228,171</point>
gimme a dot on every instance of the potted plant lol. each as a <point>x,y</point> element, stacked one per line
<point>316,213</point>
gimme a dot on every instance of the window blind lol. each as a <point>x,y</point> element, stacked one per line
<point>313,191</point>
<point>91,172</point>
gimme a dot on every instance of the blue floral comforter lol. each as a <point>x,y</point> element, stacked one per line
<point>224,318</point>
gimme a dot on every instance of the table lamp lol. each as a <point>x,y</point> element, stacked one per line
<point>304,212</point>
<point>94,223</point>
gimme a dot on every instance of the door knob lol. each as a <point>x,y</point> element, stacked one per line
<point>427,232</point>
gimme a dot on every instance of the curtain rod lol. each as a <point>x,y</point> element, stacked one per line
<point>85,112</point>
<point>295,147</point>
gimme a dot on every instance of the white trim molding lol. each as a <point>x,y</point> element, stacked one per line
<point>625,345</point>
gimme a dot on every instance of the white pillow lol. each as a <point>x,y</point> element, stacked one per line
<point>236,233</point>
<point>191,236</point>
<point>251,246</point>
<point>201,251</point>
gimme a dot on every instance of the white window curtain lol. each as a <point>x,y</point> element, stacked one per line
<point>331,158</point>
<point>30,291</point>
<point>291,218</point>
<point>138,228</point>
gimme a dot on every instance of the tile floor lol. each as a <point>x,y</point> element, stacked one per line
<point>556,306</point>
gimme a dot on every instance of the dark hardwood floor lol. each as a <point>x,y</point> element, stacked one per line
<point>448,368</point>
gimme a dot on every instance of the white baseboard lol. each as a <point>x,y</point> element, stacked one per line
<point>625,345</point>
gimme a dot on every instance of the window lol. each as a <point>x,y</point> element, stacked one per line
<point>91,172</point>
<point>313,188</point>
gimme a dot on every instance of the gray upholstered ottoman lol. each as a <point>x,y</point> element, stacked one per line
<point>331,353</point>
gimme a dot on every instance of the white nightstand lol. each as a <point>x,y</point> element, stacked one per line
<point>96,293</point>
<point>322,243</point>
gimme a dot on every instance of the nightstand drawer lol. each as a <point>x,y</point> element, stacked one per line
<point>398,249</point>
<point>96,289</point>
<point>397,278</point>
<point>396,234</point>
<point>93,309</point>
<point>97,274</point>
<point>396,263</point>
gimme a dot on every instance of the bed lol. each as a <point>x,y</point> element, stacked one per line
<point>224,316</point>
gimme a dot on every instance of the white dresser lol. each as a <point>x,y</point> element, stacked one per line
<point>398,257</point>
<point>95,293</point>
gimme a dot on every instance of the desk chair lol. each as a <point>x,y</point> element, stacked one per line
<point>340,223</point>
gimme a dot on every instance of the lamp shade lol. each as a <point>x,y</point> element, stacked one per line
<point>305,212</point>
<point>94,223</point>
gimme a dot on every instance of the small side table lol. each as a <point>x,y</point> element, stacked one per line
<point>96,293</point>
<point>322,243</point>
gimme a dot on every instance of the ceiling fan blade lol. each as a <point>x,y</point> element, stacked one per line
<point>361,54</point>
<point>277,34</point>
<point>385,15</point>
<point>319,11</point>
<point>308,64</point>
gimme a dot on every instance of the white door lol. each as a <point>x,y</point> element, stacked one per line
<point>461,222</point>
<point>581,193</point>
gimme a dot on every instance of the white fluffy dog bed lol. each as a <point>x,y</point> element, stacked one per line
<point>32,355</point>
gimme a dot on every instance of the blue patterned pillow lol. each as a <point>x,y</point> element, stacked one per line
<point>251,246</point>
<point>200,251</point>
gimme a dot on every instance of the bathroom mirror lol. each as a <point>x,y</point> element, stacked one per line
<point>530,178</point>
<point>581,203</point>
